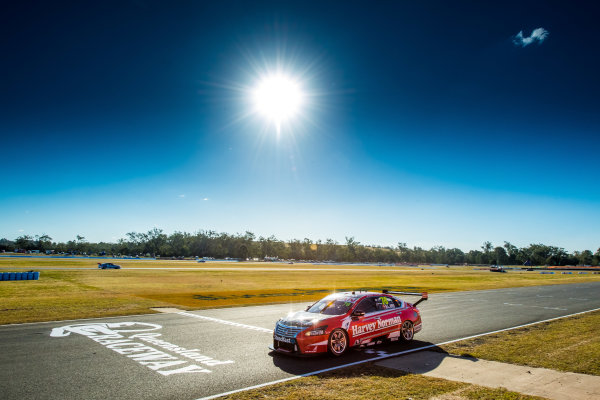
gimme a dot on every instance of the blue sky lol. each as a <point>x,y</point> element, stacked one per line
<point>428,123</point>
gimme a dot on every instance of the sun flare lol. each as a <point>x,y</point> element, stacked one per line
<point>278,98</point>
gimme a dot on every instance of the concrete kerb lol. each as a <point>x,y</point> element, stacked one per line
<point>542,382</point>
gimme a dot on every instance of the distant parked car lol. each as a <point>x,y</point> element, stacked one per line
<point>108,266</point>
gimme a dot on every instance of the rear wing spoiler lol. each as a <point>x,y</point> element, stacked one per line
<point>424,295</point>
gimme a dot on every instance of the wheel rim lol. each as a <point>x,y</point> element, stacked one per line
<point>338,342</point>
<point>407,330</point>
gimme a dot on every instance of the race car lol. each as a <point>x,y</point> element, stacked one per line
<point>343,320</point>
<point>108,266</point>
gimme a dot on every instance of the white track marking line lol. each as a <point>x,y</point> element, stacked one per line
<point>389,356</point>
<point>80,319</point>
<point>225,322</point>
<point>545,308</point>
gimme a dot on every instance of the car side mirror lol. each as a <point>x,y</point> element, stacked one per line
<point>307,308</point>
<point>357,314</point>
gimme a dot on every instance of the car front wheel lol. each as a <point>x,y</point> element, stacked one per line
<point>338,342</point>
<point>407,331</point>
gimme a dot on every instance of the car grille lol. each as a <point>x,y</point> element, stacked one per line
<point>287,331</point>
<point>284,346</point>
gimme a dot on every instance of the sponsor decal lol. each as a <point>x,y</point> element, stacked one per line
<point>283,339</point>
<point>346,322</point>
<point>358,330</point>
<point>130,338</point>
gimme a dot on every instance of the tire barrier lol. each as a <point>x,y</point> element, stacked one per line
<point>19,276</point>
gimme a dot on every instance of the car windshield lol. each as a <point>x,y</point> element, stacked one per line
<point>332,306</point>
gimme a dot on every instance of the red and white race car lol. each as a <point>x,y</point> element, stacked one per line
<point>343,320</point>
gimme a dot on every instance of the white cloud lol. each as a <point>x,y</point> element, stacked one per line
<point>181,196</point>
<point>538,35</point>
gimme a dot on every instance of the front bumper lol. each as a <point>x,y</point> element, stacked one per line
<point>292,341</point>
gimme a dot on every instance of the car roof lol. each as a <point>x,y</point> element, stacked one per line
<point>358,294</point>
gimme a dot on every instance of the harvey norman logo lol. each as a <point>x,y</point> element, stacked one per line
<point>358,330</point>
<point>131,339</point>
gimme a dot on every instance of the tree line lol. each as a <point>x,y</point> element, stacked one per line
<point>245,246</point>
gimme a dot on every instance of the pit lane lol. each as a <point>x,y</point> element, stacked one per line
<point>200,354</point>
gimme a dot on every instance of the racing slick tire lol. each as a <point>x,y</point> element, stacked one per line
<point>337,344</point>
<point>407,331</point>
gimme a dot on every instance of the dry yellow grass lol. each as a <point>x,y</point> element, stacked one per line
<point>571,345</point>
<point>65,292</point>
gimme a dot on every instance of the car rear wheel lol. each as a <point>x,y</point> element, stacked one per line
<point>407,331</point>
<point>338,342</point>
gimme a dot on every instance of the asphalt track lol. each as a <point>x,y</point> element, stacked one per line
<point>193,355</point>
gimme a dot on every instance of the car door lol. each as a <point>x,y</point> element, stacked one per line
<point>389,318</point>
<point>377,321</point>
<point>361,328</point>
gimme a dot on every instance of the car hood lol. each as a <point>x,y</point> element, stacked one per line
<point>303,318</point>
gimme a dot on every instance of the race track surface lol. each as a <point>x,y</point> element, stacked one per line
<point>192,355</point>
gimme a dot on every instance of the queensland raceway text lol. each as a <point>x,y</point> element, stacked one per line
<point>126,338</point>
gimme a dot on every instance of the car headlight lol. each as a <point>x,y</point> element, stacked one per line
<point>317,331</point>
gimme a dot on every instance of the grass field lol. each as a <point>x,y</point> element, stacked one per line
<point>66,292</point>
<point>571,345</point>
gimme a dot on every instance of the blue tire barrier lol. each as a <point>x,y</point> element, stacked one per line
<point>19,276</point>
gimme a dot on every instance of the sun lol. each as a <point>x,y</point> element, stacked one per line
<point>278,98</point>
